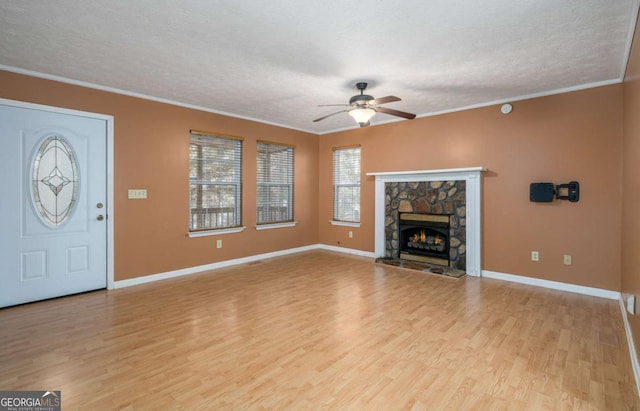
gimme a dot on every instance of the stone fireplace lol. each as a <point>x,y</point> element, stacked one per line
<point>436,209</point>
<point>461,205</point>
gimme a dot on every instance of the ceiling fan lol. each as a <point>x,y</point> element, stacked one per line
<point>363,106</point>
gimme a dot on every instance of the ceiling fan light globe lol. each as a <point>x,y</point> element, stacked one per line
<point>362,115</point>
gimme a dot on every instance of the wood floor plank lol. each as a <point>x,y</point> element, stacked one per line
<point>321,330</point>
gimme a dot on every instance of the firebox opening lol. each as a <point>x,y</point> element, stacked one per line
<point>424,237</point>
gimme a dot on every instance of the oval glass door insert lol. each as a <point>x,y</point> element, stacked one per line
<point>54,181</point>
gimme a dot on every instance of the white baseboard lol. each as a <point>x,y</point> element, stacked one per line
<point>346,250</point>
<point>229,263</point>
<point>632,350</point>
<point>555,285</point>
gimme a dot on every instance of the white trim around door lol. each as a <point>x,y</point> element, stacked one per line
<point>110,155</point>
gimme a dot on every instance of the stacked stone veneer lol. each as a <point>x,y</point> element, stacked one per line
<point>434,197</point>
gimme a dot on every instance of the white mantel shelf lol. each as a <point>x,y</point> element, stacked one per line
<point>440,171</point>
<point>472,199</point>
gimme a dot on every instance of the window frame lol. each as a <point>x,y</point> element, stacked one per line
<point>214,140</point>
<point>268,148</point>
<point>338,185</point>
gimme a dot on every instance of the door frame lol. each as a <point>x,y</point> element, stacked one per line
<point>110,164</point>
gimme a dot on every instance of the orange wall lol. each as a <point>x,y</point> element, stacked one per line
<point>152,151</point>
<point>571,136</point>
<point>631,186</point>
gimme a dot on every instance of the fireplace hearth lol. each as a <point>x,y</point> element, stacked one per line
<point>424,237</point>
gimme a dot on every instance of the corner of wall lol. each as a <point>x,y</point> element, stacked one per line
<point>632,351</point>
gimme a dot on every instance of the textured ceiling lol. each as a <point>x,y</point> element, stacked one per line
<point>275,61</point>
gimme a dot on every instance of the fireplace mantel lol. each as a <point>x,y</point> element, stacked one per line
<point>447,171</point>
<point>473,191</point>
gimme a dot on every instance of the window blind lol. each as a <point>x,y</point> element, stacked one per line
<point>215,182</point>
<point>274,183</point>
<point>346,184</point>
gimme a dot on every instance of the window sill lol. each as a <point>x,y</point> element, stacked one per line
<point>195,234</point>
<point>344,223</point>
<point>276,225</point>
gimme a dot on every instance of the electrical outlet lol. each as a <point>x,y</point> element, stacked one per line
<point>535,256</point>
<point>219,244</point>
<point>567,259</point>
<point>631,304</point>
<point>137,194</point>
<point>350,234</point>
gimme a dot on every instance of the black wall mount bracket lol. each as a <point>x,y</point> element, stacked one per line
<point>569,191</point>
<point>545,192</point>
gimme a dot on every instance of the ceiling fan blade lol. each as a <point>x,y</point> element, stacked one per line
<point>333,105</point>
<point>383,100</point>
<point>329,115</point>
<point>395,113</point>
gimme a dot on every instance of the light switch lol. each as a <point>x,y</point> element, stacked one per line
<point>137,193</point>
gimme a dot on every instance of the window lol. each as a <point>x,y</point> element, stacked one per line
<point>55,181</point>
<point>215,181</point>
<point>275,183</point>
<point>346,184</point>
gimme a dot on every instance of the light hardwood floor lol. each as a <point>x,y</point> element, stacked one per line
<point>321,330</point>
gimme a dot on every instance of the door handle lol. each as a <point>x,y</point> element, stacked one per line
<point>99,205</point>
<point>100,217</point>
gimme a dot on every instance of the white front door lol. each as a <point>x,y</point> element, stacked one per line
<point>53,192</point>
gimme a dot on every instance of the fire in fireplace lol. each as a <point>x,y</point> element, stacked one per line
<point>424,237</point>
